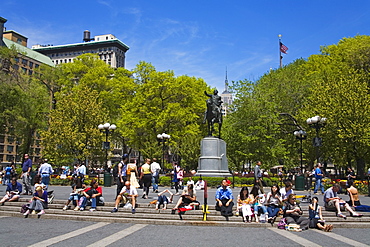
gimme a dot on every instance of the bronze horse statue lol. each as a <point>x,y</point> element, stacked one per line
<point>213,114</point>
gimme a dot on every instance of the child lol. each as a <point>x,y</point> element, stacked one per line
<point>316,220</point>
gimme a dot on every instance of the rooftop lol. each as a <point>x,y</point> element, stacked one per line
<point>29,52</point>
<point>117,41</point>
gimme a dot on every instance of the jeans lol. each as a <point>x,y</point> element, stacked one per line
<point>155,182</point>
<point>272,211</point>
<point>256,208</point>
<point>84,202</point>
<point>45,179</point>
<point>27,183</point>
<point>162,200</point>
<point>318,185</point>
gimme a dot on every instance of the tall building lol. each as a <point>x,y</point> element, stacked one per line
<point>110,49</point>
<point>27,61</point>
<point>227,98</point>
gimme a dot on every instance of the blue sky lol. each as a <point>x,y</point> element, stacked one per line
<point>196,38</point>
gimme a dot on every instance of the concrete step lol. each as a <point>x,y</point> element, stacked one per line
<point>148,215</point>
<point>185,222</point>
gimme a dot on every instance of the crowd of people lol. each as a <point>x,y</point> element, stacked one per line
<point>254,205</point>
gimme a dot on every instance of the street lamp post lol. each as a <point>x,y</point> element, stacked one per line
<point>301,135</point>
<point>107,129</point>
<point>163,138</point>
<point>317,123</point>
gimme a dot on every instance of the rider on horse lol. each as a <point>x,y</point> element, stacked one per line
<point>213,114</point>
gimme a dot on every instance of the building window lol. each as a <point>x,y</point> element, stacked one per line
<point>19,41</point>
<point>30,72</point>
<point>2,139</point>
<point>37,150</point>
<point>1,148</point>
<point>31,64</point>
<point>9,157</point>
<point>24,61</point>
<point>24,70</point>
<point>36,66</point>
<point>9,148</point>
<point>10,139</point>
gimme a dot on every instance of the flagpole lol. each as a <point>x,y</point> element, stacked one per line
<point>280,56</point>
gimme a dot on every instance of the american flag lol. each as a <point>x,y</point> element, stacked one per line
<point>283,48</point>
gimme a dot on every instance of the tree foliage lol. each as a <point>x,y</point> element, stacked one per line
<point>73,132</point>
<point>164,103</point>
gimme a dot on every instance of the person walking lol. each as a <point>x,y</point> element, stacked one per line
<point>122,173</point>
<point>155,168</point>
<point>258,176</point>
<point>318,176</point>
<point>26,175</point>
<point>45,171</point>
<point>146,178</point>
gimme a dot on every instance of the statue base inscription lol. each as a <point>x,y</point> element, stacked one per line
<point>213,160</point>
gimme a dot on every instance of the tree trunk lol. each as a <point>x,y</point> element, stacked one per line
<point>360,167</point>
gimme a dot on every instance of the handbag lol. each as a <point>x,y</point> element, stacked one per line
<point>281,224</point>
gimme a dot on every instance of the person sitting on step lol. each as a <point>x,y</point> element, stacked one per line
<point>187,198</point>
<point>127,194</point>
<point>13,191</point>
<point>39,202</point>
<point>93,195</point>
<point>163,199</point>
<point>224,199</point>
<point>333,202</point>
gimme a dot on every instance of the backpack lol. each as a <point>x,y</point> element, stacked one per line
<point>115,170</point>
<point>281,224</point>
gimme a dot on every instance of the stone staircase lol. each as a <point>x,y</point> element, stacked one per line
<point>146,214</point>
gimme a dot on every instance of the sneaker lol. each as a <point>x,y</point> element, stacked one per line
<point>41,212</point>
<point>27,213</point>
<point>133,211</point>
<point>77,208</point>
<point>92,210</point>
<point>82,209</point>
<point>115,210</point>
<point>65,208</point>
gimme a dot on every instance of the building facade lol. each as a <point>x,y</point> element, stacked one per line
<point>109,49</point>
<point>227,98</point>
<point>27,61</point>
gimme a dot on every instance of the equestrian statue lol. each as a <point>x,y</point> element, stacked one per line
<point>213,114</point>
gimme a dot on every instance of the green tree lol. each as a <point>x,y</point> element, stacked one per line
<point>24,104</point>
<point>161,103</point>
<point>73,132</point>
<point>252,132</point>
<point>340,92</point>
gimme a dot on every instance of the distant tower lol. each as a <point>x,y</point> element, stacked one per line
<point>2,22</point>
<point>227,97</point>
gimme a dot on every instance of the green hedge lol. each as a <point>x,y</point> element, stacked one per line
<point>216,181</point>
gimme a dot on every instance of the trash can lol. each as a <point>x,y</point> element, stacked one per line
<point>299,183</point>
<point>107,179</point>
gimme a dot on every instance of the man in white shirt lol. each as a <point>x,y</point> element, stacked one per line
<point>155,168</point>
<point>286,191</point>
<point>45,171</point>
<point>81,170</point>
<point>128,193</point>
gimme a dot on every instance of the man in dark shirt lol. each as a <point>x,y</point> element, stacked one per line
<point>26,172</point>
<point>13,191</point>
<point>258,176</point>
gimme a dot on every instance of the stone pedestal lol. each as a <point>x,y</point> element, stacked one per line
<point>213,160</point>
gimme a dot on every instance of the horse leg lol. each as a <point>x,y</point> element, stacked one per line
<point>219,130</point>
